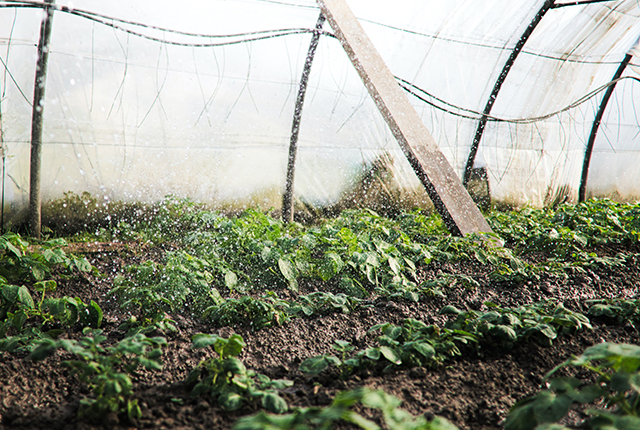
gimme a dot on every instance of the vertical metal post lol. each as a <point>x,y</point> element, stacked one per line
<point>287,198</point>
<point>4,157</point>
<point>4,173</point>
<point>498,85</point>
<point>37,118</point>
<point>582,192</point>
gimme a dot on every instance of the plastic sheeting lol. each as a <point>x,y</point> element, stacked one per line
<point>127,117</point>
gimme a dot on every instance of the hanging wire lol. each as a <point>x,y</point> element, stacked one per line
<point>247,37</point>
<point>303,6</point>
<point>412,89</point>
<point>578,3</point>
<point>268,34</point>
<point>6,69</point>
<point>111,22</point>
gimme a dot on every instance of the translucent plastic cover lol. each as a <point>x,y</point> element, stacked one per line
<point>149,98</point>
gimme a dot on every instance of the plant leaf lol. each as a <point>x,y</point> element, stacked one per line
<point>550,407</point>
<point>287,269</point>
<point>390,355</point>
<point>314,365</point>
<point>230,401</point>
<point>274,403</point>
<point>25,297</point>
<point>203,340</point>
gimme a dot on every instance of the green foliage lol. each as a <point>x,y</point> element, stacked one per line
<point>418,344</point>
<point>18,263</point>
<point>257,313</point>
<point>341,409</point>
<point>107,370</point>
<point>620,310</point>
<point>540,321</point>
<point>617,388</point>
<point>412,344</point>
<point>321,303</point>
<point>355,255</point>
<point>569,228</point>
<point>226,379</point>
<point>25,322</point>
<point>415,343</point>
<point>160,288</point>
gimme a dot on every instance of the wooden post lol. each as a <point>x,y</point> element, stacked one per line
<point>37,117</point>
<point>452,201</point>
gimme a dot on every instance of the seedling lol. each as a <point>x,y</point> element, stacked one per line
<point>107,370</point>
<point>226,379</point>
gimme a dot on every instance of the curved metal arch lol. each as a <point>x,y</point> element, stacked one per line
<point>548,4</point>
<point>582,192</point>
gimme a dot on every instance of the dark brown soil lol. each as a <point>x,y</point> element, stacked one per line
<point>474,391</point>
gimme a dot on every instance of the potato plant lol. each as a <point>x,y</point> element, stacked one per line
<point>616,390</point>
<point>107,370</point>
<point>254,272</point>
<point>226,379</point>
<point>341,409</point>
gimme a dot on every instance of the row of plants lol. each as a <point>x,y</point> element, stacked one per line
<point>415,343</point>
<point>342,409</point>
<point>358,254</point>
<point>108,371</point>
<point>28,312</point>
<point>253,258</point>
<point>608,394</point>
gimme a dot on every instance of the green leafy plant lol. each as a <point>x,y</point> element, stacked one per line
<point>541,321</point>
<point>19,263</point>
<point>341,409</point>
<point>107,370</point>
<point>620,310</point>
<point>412,344</point>
<point>616,389</point>
<point>184,278</point>
<point>568,229</point>
<point>226,379</point>
<point>24,322</point>
<point>355,255</point>
<point>315,365</point>
<point>258,313</point>
<point>321,303</point>
<point>415,343</point>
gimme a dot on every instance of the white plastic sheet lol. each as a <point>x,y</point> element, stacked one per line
<point>131,118</point>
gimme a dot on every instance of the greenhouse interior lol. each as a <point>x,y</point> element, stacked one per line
<point>320,214</point>
<point>145,99</point>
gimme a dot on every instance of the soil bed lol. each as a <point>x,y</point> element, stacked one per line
<point>473,391</point>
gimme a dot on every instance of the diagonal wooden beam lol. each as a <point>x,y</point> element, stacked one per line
<point>450,198</point>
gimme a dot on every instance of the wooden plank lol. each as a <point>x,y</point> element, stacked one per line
<point>450,198</point>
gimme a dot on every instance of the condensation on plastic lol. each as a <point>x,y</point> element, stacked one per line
<point>134,119</point>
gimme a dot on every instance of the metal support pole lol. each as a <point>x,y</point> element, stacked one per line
<point>37,118</point>
<point>287,198</point>
<point>498,85</point>
<point>582,192</point>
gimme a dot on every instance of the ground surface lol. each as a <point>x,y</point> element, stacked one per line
<point>473,391</point>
